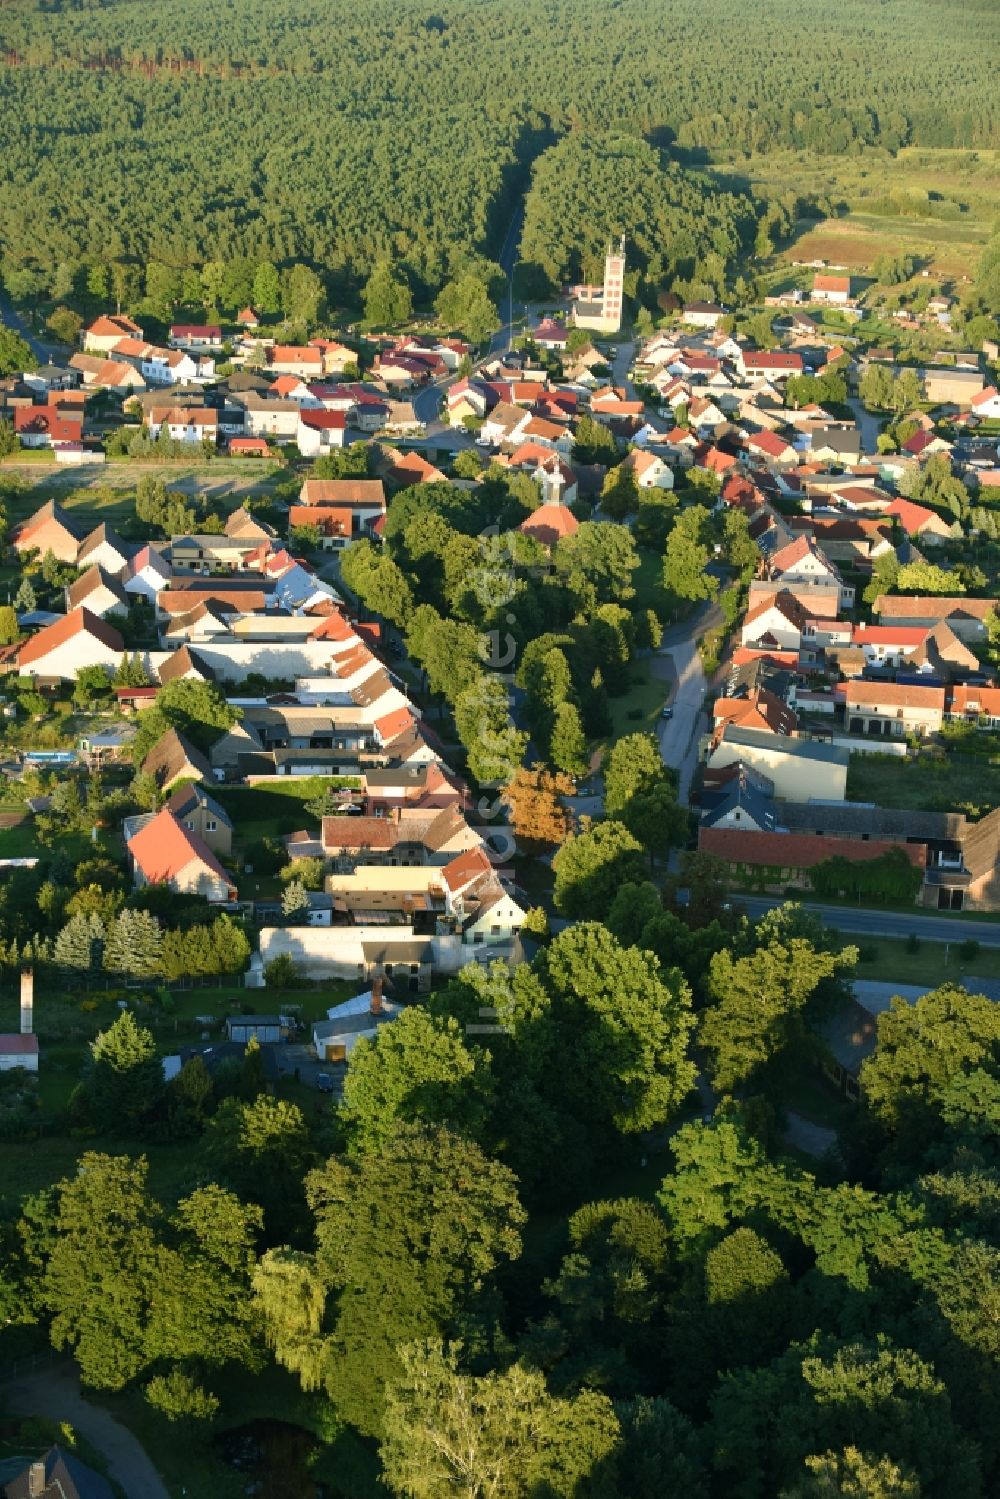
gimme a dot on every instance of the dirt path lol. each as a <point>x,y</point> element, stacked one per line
<point>55,1393</point>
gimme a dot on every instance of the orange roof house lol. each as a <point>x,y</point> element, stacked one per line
<point>164,852</point>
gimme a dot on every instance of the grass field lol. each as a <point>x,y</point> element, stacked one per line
<point>963,184</point>
<point>928,781</point>
<point>933,963</point>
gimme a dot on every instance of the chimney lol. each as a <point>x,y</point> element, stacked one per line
<point>376,1004</point>
<point>27,1001</point>
<point>36,1476</point>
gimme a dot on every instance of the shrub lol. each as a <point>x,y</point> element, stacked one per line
<point>968,950</point>
<point>913,943</point>
<point>867,952</point>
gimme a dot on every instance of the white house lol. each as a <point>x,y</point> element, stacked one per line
<point>65,647</point>
<point>834,290</point>
<point>649,470</point>
<point>987,404</point>
<point>146,574</point>
<point>184,423</point>
<point>319,431</point>
<point>195,336</point>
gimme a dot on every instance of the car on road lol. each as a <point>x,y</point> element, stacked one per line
<point>324,1082</point>
<point>483,442</point>
<point>667,712</point>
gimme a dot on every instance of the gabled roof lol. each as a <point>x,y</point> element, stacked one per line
<point>466,868</point>
<point>45,515</point>
<point>760,710</point>
<point>181,664</point>
<point>103,535</point>
<point>894,695</point>
<point>186,798</point>
<point>342,492</point>
<point>172,755</point>
<point>65,1478</point>
<point>78,622</point>
<point>798,850</point>
<point>95,577</point>
<point>108,323</point>
<point>164,847</point>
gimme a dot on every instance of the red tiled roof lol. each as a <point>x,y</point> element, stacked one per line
<point>75,623</point>
<point>914,518</point>
<point>770,443</point>
<point>549,523</point>
<point>391,725</point>
<point>48,421</point>
<point>466,868</point>
<point>894,695</point>
<point>775,359</point>
<point>798,850</point>
<point>343,492</point>
<point>322,420</point>
<point>831,283</point>
<point>761,710</point>
<point>164,847</point>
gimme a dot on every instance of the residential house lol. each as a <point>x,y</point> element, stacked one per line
<point>185,423</point>
<point>55,1475</point>
<point>835,291</point>
<point>146,574</point>
<point>200,813</point>
<point>61,650</point>
<point>100,591</point>
<point>268,416</point>
<point>835,444</point>
<point>406,469</point>
<point>802,563</point>
<point>893,709</point>
<point>47,426</point>
<point>986,405</point>
<point>50,529</point>
<point>320,432</point>
<point>775,365</point>
<point>162,851</point>
<point>174,758</point>
<point>195,336</point>
<point>107,330</point>
<point>289,359</point>
<point>100,373</point>
<point>103,547</point>
<point>778,620</point>
<point>757,710</point>
<point>363,498</point>
<point>773,450</point>
<point>703,314</point>
<point>550,334</point>
<point>649,470</point>
<point>967,617</point>
<point>917,520</point>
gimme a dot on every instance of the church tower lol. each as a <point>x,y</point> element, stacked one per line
<point>614,287</point>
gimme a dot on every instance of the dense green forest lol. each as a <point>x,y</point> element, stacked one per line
<point>325,134</point>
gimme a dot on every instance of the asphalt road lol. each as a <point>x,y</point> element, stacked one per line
<point>678,661</point>
<point>868,922</point>
<point>13,319</point>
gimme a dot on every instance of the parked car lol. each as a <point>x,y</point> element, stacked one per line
<point>667,712</point>
<point>324,1082</point>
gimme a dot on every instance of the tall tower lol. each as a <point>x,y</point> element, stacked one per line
<point>614,287</point>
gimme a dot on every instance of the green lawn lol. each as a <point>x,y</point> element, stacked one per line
<point>648,582</point>
<point>270,811</point>
<point>637,711</point>
<point>933,963</point>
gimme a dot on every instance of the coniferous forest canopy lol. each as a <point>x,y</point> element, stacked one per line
<point>334,135</point>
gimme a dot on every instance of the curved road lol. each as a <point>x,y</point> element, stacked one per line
<point>55,1393</point>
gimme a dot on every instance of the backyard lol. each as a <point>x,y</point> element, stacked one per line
<point>929,781</point>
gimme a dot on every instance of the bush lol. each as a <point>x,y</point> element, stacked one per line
<point>867,952</point>
<point>180,1398</point>
<point>968,950</point>
<point>913,943</point>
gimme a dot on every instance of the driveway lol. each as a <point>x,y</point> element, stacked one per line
<point>14,319</point>
<point>55,1393</point>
